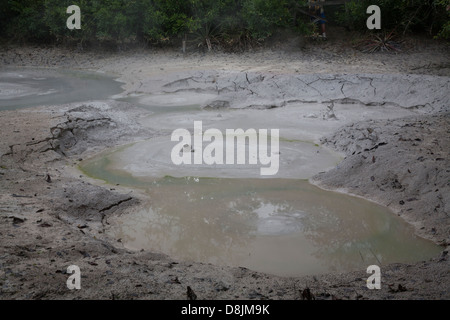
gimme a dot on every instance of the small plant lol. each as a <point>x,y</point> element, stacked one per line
<point>312,30</point>
<point>384,42</point>
<point>207,35</point>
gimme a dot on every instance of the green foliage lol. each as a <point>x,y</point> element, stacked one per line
<point>55,17</point>
<point>403,15</point>
<point>226,22</point>
<point>165,18</point>
<point>221,22</point>
<point>445,31</point>
<point>262,17</point>
<point>24,20</point>
<point>6,15</point>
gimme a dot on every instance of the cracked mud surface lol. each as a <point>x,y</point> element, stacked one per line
<point>257,91</point>
<point>51,217</point>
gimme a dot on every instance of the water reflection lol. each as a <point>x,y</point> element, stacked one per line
<point>285,227</point>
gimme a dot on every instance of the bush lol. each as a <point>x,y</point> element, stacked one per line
<point>222,21</point>
<point>262,17</point>
<point>24,21</point>
<point>445,30</point>
<point>55,18</point>
<point>403,15</point>
<point>166,18</point>
<point>156,21</point>
<point>144,20</point>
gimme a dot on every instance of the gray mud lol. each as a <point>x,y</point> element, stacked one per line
<point>29,87</point>
<point>52,216</point>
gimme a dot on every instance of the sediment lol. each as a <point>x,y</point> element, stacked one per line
<point>51,216</point>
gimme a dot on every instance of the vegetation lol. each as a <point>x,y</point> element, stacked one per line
<point>403,16</point>
<point>150,21</point>
<point>384,42</point>
<point>227,23</point>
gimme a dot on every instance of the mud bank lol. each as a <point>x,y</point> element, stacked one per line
<point>53,217</point>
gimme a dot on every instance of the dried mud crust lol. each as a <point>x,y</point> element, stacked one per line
<point>50,218</point>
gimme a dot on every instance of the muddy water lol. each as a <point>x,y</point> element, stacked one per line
<point>24,87</point>
<point>282,225</point>
<point>164,103</point>
<point>279,226</point>
<point>152,159</point>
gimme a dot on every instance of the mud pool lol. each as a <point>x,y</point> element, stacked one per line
<point>279,226</point>
<point>29,87</point>
<point>230,216</point>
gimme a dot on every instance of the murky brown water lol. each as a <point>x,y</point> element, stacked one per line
<point>278,226</point>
